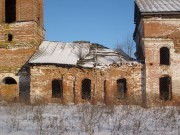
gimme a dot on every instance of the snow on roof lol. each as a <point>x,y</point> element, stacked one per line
<point>158,5</point>
<point>77,54</point>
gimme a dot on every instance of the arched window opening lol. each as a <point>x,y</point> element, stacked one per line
<point>9,81</point>
<point>164,56</point>
<point>86,89</point>
<point>121,88</point>
<point>10,11</point>
<point>165,88</point>
<point>57,89</point>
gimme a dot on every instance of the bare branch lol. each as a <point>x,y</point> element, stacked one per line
<point>128,46</point>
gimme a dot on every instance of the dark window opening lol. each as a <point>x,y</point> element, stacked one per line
<point>57,89</point>
<point>105,89</point>
<point>165,88</point>
<point>9,81</point>
<point>164,56</point>
<point>10,37</point>
<point>10,11</point>
<point>121,88</point>
<point>74,89</point>
<point>86,89</point>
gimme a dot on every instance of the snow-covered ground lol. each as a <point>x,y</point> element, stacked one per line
<point>53,119</point>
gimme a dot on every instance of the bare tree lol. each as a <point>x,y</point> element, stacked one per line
<point>81,51</point>
<point>128,46</point>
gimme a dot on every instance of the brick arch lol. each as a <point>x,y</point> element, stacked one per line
<point>9,81</point>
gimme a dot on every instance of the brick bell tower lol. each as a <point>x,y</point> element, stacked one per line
<point>21,32</point>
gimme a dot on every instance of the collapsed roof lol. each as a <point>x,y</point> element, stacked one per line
<point>83,54</point>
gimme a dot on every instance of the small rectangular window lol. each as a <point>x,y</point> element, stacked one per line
<point>164,56</point>
<point>121,88</point>
<point>57,89</point>
<point>86,89</point>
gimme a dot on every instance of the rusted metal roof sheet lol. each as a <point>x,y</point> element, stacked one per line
<point>158,5</point>
<point>79,54</point>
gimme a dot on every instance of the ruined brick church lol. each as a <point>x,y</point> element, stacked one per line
<point>81,71</point>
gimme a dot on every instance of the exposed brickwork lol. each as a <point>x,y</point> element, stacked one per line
<point>42,76</point>
<point>142,80</point>
<point>2,11</point>
<point>163,28</point>
<point>26,10</point>
<point>154,70</point>
<point>13,60</point>
<point>154,33</point>
<point>27,33</point>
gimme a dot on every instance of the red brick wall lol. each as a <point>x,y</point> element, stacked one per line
<point>27,31</point>
<point>2,11</point>
<point>163,28</point>
<point>27,35</point>
<point>154,34</point>
<point>26,10</point>
<point>13,60</point>
<point>24,33</point>
<point>42,76</point>
<point>29,27</point>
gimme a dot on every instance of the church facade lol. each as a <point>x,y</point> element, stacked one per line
<point>81,71</point>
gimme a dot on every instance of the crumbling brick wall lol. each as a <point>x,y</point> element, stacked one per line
<point>42,76</point>
<point>13,60</point>
<point>26,10</point>
<point>28,28</point>
<point>8,92</point>
<point>27,32</point>
<point>155,33</point>
<point>163,28</point>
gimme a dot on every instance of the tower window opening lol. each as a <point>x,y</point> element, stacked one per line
<point>86,89</point>
<point>121,88</point>
<point>165,88</point>
<point>164,56</point>
<point>10,11</point>
<point>57,89</point>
